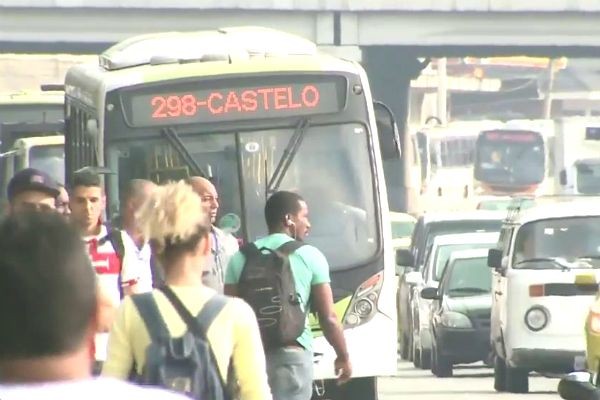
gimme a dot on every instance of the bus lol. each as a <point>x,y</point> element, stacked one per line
<point>256,110</point>
<point>517,158</point>
<point>31,106</point>
<point>447,157</point>
<point>26,119</point>
<point>577,156</point>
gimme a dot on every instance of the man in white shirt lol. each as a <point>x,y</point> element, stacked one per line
<point>136,254</point>
<point>50,310</point>
<point>224,245</point>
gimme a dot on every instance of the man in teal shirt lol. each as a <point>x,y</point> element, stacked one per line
<point>290,368</point>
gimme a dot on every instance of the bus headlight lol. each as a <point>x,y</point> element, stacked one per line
<point>451,319</point>
<point>536,318</point>
<point>363,305</point>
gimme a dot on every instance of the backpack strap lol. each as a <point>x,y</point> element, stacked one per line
<point>116,241</point>
<point>200,324</point>
<point>148,310</point>
<point>209,312</point>
<point>250,250</point>
<point>290,247</point>
<point>158,275</point>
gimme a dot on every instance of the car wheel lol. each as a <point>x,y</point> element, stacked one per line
<point>517,380</point>
<point>416,355</point>
<point>499,374</point>
<point>440,366</point>
<point>403,346</point>
<point>425,358</point>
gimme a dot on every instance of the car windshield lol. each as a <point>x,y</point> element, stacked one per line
<point>242,163</point>
<point>575,240</point>
<point>436,228</point>
<point>469,276</point>
<point>402,229</point>
<point>50,159</point>
<point>444,252</point>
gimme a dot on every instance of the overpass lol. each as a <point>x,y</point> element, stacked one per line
<point>88,26</point>
<point>390,37</point>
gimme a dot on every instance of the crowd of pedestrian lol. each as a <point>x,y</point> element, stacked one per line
<point>162,298</point>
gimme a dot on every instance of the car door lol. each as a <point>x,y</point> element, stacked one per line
<point>417,301</point>
<point>437,305</point>
<point>499,295</point>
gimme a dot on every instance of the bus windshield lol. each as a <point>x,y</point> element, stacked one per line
<point>588,178</point>
<point>330,169</point>
<point>511,159</point>
<point>49,158</point>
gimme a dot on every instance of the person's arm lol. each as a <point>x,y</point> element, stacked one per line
<point>322,299</point>
<point>119,360</point>
<point>322,303</point>
<point>249,356</point>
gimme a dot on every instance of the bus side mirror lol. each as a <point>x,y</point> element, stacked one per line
<point>562,177</point>
<point>389,137</point>
<point>404,258</point>
<point>494,259</point>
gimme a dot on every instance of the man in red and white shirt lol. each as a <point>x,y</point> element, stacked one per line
<point>88,202</point>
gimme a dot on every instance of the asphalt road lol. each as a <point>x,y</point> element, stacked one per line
<point>469,382</point>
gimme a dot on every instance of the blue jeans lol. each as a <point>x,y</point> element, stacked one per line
<point>290,372</point>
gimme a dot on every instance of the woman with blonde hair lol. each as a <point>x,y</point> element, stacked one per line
<point>177,229</point>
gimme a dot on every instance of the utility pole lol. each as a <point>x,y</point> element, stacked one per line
<point>442,91</point>
<point>547,110</point>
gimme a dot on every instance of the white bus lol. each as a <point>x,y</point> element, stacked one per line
<point>577,156</point>
<point>256,110</point>
<point>447,155</point>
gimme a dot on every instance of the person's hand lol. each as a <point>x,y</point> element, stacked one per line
<point>343,370</point>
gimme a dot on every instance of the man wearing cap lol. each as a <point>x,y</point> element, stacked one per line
<point>31,190</point>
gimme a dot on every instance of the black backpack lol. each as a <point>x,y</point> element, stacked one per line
<point>185,364</point>
<point>267,285</point>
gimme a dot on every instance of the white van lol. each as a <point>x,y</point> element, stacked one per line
<point>546,273</point>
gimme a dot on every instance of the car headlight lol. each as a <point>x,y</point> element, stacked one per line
<point>536,318</point>
<point>453,319</point>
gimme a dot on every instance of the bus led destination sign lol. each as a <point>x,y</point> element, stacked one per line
<point>233,103</point>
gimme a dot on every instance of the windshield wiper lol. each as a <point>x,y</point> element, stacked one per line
<point>174,140</point>
<point>288,156</point>
<point>557,262</point>
<point>469,289</point>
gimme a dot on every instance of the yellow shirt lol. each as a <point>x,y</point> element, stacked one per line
<point>233,335</point>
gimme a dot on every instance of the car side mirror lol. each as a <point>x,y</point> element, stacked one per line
<point>404,258</point>
<point>577,386</point>
<point>430,293</point>
<point>562,177</point>
<point>494,259</point>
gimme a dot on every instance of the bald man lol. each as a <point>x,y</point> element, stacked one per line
<point>139,271</point>
<point>224,245</point>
